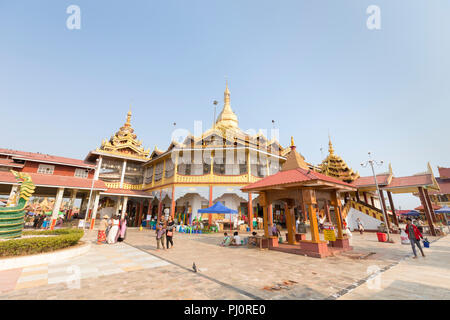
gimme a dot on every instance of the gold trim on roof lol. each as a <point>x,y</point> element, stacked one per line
<point>334,166</point>
<point>124,142</point>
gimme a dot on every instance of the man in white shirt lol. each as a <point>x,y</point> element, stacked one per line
<point>236,239</point>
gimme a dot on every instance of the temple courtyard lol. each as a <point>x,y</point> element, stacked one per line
<point>136,270</point>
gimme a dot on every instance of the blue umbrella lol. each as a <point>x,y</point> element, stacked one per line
<point>444,209</point>
<point>218,208</point>
<point>412,213</point>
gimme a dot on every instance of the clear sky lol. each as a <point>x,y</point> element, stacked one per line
<point>312,66</point>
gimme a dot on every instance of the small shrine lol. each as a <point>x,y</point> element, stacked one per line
<point>304,192</point>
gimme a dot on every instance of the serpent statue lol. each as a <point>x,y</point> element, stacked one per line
<point>12,218</point>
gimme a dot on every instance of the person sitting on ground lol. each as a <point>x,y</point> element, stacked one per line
<point>252,239</point>
<point>236,241</point>
<point>226,240</point>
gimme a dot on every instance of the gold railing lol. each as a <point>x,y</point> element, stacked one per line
<point>116,185</point>
<point>374,213</point>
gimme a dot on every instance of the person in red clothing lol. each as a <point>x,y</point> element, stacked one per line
<point>414,236</point>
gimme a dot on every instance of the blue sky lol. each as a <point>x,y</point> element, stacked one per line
<point>312,66</point>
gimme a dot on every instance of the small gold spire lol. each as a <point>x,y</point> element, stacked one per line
<point>128,117</point>
<point>292,141</point>
<point>330,146</point>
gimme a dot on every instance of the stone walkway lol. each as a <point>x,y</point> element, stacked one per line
<point>421,278</point>
<point>136,270</point>
<point>101,260</point>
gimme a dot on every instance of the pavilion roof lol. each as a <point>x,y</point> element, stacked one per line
<point>46,158</point>
<point>47,180</point>
<point>296,176</point>
<point>444,173</point>
<point>126,192</point>
<point>444,186</point>
<point>435,207</point>
<point>10,163</point>
<point>382,179</point>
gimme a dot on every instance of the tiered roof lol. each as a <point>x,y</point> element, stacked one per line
<point>124,143</point>
<point>334,166</point>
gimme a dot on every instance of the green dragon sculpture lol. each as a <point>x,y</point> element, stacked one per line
<point>12,218</point>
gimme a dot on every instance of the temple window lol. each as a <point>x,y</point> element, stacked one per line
<point>111,170</point>
<point>133,173</point>
<point>258,164</point>
<point>170,168</point>
<point>148,175</point>
<point>46,169</point>
<point>81,173</point>
<point>159,171</point>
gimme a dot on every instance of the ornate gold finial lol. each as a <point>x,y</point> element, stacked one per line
<point>128,117</point>
<point>227,118</point>
<point>330,146</point>
<point>227,94</point>
<point>292,142</point>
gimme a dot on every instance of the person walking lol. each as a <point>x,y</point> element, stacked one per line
<point>414,236</point>
<point>122,228</point>
<point>101,235</point>
<point>169,232</point>
<point>360,226</point>
<point>112,234</point>
<point>160,234</point>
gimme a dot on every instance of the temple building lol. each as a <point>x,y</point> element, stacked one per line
<point>120,162</point>
<point>196,171</point>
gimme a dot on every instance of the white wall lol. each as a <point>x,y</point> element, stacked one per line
<point>368,222</point>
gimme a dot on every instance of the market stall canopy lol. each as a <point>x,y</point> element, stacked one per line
<point>444,209</point>
<point>218,208</point>
<point>412,213</point>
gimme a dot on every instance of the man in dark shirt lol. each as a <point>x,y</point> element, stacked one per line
<point>414,236</point>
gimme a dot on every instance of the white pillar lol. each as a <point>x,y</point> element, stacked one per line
<point>123,173</point>
<point>13,196</point>
<point>96,200</point>
<point>99,165</point>
<point>73,198</point>
<point>117,205</point>
<point>124,206</point>
<point>57,205</point>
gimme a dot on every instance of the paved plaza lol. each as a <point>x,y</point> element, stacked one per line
<point>136,270</point>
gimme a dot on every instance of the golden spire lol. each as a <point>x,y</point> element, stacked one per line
<point>128,123</point>
<point>292,142</point>
<point>227,118</point>
<point>330,146</point>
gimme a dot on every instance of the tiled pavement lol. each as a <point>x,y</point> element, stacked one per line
<point>101,260</point>
<point>224,273</point>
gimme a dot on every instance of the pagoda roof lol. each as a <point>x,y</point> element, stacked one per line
<point>124,143</point>
<point>228,134</point>
<point>335,166</point>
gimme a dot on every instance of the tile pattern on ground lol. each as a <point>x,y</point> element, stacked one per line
<point>101,260</point>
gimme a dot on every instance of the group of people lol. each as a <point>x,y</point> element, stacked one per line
<point>235,240</point>
<point>112,230</point>
<point>164,233</point>
<point>41,221</point>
